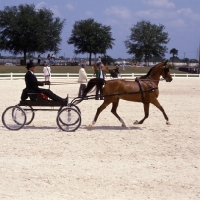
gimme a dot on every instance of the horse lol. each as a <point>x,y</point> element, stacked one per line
<point>143,89</point>
<point>114,73</point>
<point>104,69</point>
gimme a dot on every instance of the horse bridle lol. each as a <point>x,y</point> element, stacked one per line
<point>166,70</point>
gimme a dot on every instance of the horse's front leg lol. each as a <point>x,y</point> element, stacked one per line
<point>146,113</point>
<point>99,110</point>
<point>114,112</point>
<point>157,104</point>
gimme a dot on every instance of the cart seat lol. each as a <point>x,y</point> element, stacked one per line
<point>26,93</point>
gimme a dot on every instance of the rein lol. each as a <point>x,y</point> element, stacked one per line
<point>115,94</point>
<point>62,83</point>
<point>77,100</point>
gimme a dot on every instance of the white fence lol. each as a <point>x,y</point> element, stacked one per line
<point>17,76</point>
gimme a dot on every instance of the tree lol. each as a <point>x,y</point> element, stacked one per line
<point>25,30</point>
<point>147,40</point>
<point>91,37</point>
<point>173,52</point>
<point>107,60</point>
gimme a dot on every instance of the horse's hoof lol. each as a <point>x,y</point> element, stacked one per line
<point>90,126</point>
<point>123,125</point>
<point>167,122</point>
<point>136,122</point>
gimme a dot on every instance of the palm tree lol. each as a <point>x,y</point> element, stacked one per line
<point>173,52</point>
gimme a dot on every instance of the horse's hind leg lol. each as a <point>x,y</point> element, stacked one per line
<point>114,112</point>
<point>146,113</point>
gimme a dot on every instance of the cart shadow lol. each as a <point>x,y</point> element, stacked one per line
<point>39,127</point>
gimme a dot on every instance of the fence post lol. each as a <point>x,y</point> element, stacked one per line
<point>11,76</point>
<point>67,75</point>
<point>133,75</point>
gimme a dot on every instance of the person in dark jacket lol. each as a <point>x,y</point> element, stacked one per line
<point>32,84</point>
<point>99,90</point>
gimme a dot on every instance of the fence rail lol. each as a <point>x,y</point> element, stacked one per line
<point>18,76</point>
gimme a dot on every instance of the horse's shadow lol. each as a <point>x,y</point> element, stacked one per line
<point>116,128</point>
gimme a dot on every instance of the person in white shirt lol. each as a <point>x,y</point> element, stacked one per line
<point>123,65</point>
<point>47,72</point>
<point>82,80</point>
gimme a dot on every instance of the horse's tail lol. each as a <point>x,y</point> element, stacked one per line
<point>99,82</point>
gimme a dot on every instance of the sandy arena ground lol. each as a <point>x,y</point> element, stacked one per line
<point>149,161</point>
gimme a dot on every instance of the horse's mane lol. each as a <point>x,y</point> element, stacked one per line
<point>147,75</point>
<point>149,72</point>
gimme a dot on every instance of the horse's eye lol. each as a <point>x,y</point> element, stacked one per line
<point>166,70</point>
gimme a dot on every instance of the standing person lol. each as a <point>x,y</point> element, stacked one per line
<point>39,59</point>
<point>85,62</point>
<point>31,60</point>
<point>32,85</point>
<point>82,80</point>
<point>53,57</point>
<point>47,72</point>
<point>123,65</point>
<point>99,90</point>
<point>99,61</point>
<point>48,57</point>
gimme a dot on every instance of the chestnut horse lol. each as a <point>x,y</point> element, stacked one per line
<point>104,69</point>
<point>143,89</point>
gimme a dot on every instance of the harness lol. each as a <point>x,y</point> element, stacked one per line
<point>141,90</point>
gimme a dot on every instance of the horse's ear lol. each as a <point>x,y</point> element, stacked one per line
<point>165,62</point>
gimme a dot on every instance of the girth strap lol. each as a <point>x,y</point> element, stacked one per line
<point>141,91</point>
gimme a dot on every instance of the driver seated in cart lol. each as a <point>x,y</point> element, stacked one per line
<point>32,86</point>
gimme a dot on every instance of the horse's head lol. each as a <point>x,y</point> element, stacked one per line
<point>165,72</point>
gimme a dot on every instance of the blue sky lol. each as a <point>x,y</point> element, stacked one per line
<point>181,19</point>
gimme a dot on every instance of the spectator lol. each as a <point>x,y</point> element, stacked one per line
<point>48,57</point>
<point>123,65</point>
<point>47,72</point>
<point>39,59</point>
<point>99,61</point>
<point>53,57</point>
<point>99,90</point>
<point>82,80</point>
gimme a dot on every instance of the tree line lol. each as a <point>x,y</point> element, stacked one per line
<point>27,30</point>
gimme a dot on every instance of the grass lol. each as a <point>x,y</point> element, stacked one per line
<point>75,69</point>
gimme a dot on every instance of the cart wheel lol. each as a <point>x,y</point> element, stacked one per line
<point>30,114</point>
<point>68,119</point>
<point>14,118</point>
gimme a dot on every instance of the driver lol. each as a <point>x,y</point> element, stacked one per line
<point>32,85</point>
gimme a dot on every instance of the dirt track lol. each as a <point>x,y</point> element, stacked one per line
<point>148,161</point>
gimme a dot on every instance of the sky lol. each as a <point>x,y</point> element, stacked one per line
<point>181,19</point>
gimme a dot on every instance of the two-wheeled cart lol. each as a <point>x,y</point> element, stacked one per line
<point>17,116</point>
